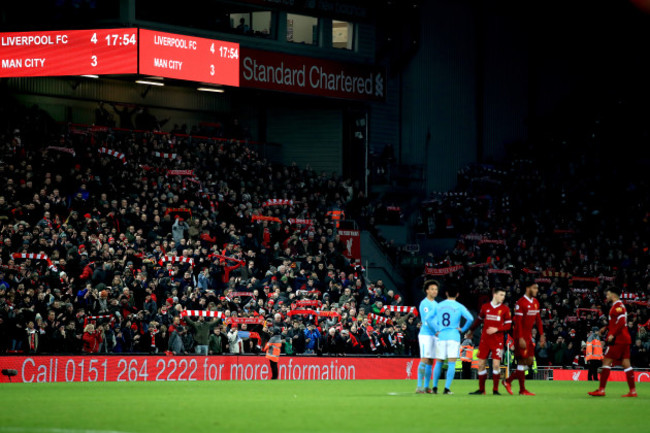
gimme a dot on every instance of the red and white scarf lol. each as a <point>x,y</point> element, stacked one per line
<point>153,332</point>
<point>306,303</point>
<point>33,256</point>
<point>379,319</point>
<point>245,320</point>
<point>114,153</point>
<point>395,308</point>
<point>499,271</point>
<point>180,172</point>
<point>266,218</point>
<point>308,292</point>
<point>165,155</point>
<point>492,241</point>
<point>202,313</point>
<point>277,202</point>
<point>442,271</point>
<point>305,222</point>
<point>176,259</point>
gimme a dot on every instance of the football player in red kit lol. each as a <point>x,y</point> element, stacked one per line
<point>496,319</point>
<point>618,344</point>
<point>526,317</point>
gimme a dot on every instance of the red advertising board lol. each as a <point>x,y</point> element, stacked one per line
<point>352,241</point>
<point>615,375</point>
<point>69,52</point>
<point>189,58</point>
<point>193,368</point>
<point>311,76</point>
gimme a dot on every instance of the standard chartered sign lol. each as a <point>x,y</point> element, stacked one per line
<point>312,76</point>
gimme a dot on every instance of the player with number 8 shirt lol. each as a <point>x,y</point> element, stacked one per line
<point>496,320</point>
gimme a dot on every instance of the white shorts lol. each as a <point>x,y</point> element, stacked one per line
<point>427,346</point>
<point>447,349</point>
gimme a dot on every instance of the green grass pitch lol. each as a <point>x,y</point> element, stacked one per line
<point>315,406</point>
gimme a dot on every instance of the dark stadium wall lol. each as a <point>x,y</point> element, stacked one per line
<point>309,137</point>
<point>504,82</point>
<point>75,100</point>
<point>439,94</point>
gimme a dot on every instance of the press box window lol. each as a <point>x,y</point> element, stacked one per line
<point>252,23</point>
<point>302,29</point>
<point>342,34</point>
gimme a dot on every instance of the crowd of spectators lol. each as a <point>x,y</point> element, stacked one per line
<point>109,224</point>
<point>567,212</point>
<point>106,225</point>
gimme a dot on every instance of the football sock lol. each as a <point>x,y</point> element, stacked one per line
<point>421,369</point>
<point>513,376</point>
<point>629,374</point>
<point>521,375</point>
<point>451,371</point>
<point>604,375</point>
<point>496,375</point>
<point>437,371</point>
<point>427,375</point>
<point>482,377</point>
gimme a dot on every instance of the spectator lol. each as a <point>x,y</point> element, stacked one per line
<point>218,342</point>
<point>92,338</point>
<point>312,339</point>
<point>202,330</point>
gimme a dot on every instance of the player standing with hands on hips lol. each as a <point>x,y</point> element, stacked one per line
<point>618,344</point>
<point>526,317</point>
<point>447,324</point>
<point>427,336</point>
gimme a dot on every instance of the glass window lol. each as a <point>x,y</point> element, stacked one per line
<point>261,23</point>
<point>241,23</point>
<point>302,29</point>
<point>252,23</point>
<point>342,34</point>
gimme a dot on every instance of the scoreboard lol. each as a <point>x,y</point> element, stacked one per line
<point>119,51</point>
<point>189,58</point>
<point>74,52</point>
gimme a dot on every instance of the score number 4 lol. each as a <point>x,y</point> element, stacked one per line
<point>116,40</point>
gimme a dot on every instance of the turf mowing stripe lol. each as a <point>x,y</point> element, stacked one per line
<point>53,430</point>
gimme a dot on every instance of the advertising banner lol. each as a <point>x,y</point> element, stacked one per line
<point>311,76</point>
<point>615,375</point>
<point>115,368</point>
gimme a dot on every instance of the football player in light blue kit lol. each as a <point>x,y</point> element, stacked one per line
<point>427,336</point>
<point>447,324</point>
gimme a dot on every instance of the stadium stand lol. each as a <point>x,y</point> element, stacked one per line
<point>113,240</point>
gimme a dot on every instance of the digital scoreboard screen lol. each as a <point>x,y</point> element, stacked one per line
<point>69,52</point>
<point>189,58</point>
